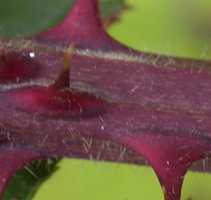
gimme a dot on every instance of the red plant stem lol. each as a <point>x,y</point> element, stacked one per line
<point>158,107</point>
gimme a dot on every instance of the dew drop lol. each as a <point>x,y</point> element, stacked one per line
<point>32,54</point>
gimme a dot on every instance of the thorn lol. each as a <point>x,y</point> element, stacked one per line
<point>2,55</point>
<point>67,58</point>
<point>83,27</point>
<point>63,80</point>
<point>1,50</point>
<point>83,17</point>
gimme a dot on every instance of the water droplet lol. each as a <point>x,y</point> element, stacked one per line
<point>32,54</point>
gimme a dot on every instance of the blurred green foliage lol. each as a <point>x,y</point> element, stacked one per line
<point>26,181</point>
<point>164,27</point>
<point>26,17</point>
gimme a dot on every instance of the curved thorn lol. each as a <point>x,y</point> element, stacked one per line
<point>63,80</point>
<point>82,26</point>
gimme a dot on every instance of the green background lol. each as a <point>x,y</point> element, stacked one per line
<point>164,27</point>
